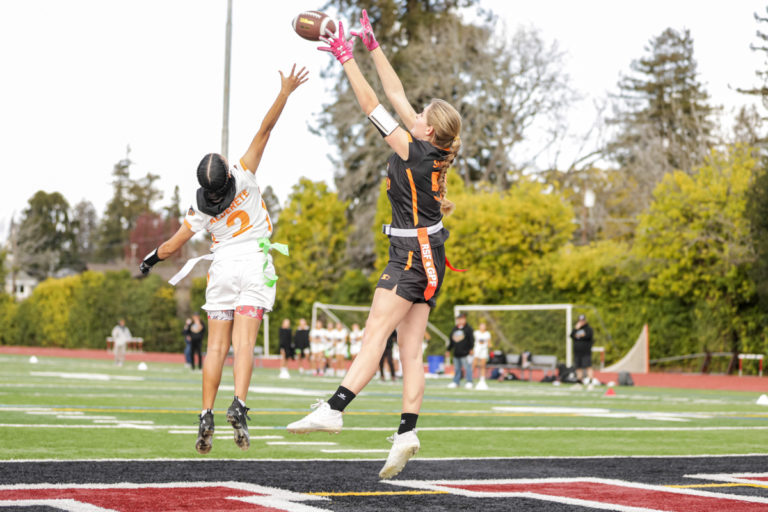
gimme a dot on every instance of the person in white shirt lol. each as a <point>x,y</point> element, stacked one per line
<point>339,339</point>
<point>317,338</point>
<point>120,336</point>
<point>241,278</point>
<point>355,341</point>
<point>481,351</point>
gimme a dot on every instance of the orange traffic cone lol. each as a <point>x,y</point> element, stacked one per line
<point>610,392</point>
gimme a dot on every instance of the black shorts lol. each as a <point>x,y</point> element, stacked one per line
<point>406,271</point>
<point>583,360</point>
<point>289,354</point>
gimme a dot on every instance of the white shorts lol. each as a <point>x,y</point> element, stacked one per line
<point>354,348</point>
<point>341,349</point>
<point>481,352</point>
<point>238,280</point>
<point>316,347</point>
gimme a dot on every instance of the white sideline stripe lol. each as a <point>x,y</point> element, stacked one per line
<point>95,418</point>
<point>137,422</point>
<point>547,457</point>
<point>326,450</point>
<point>302,443</point>
<point>86,376</point>
<point>185,429</point>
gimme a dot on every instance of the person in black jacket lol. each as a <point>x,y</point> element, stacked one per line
<point>195,331</point>
<point>583,338</point>
<point>286,347</point>
<point>462,342</point>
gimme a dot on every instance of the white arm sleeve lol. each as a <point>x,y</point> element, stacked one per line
<point>382,120</point>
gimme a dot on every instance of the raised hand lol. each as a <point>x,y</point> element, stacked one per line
<point>340,48</point>
<point>366,33</point>
<point>291,82</point>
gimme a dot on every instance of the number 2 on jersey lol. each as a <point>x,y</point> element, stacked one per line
<point>242,217</point>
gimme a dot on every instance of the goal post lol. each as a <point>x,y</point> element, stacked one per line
<point>328,310</point>
<point>568,308</point>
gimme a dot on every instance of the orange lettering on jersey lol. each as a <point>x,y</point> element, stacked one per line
<point>435,164</point>
<point>243,218</point>
<point>435,184</point>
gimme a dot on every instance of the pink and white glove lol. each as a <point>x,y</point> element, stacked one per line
<point>340,48</point>
<point>366,33</point>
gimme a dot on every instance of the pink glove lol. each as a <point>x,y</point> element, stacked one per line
<point>337,45</point>
<point>366,33</point>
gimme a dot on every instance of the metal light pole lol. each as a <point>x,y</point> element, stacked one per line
<point>227,58</point>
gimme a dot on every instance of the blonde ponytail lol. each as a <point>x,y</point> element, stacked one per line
<point>446,122</point>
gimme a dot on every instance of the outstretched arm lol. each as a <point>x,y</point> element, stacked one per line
<point>166,249</point>
<point>366,96</point>
<point>289,83</point>
<point>393,87</point>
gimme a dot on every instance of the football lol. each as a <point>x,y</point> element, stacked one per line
<point>312,24</point>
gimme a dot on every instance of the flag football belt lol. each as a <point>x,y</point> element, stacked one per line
<point>387,229</point>
<point>424,248</point>
<point>264,245</point>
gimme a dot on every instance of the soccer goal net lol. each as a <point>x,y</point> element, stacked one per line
<point>348,315</point>
<point>539,328</point>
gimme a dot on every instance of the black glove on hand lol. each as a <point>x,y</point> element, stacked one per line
<point>149,261</point>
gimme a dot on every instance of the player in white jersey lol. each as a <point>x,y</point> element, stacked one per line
<point>355,341</point>
<point>339,338</point>
<point>317,337</point>
<point>481,351</point>
<point>241,279</point>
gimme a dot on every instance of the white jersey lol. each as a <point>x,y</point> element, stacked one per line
<point>355,342</point>
<point>482,343</point>
<point>318,340</point>
<point>242,224</point>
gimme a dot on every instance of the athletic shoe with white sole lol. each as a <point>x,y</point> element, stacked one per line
<point>452,385</point>
<point>322,419</point>
<point>404,446</point>
<point>481,385</point>
<point>237,416</point>
<point>284,373</point>
<point>205,433</point>
<point>468,385</point>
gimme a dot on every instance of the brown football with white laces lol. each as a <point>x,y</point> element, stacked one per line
<point>312,24</point>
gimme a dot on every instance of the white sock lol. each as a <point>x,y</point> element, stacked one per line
<point>202,413</point>
<point>241,402</point>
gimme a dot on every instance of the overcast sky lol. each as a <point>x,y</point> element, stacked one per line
<point>82,80</point>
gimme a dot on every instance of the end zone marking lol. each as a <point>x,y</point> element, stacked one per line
<point>377,493</point>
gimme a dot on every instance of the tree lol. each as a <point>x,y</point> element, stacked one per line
<point>130,199</point>
<point>664,119</point>
<point>46,240</point>
<point>85,223</point>
<point>697,242</point>
<point>761,89</point>
<point>314,225</point>
<point>501,86</point>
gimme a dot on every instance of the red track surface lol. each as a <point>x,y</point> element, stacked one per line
<point>666,380</point>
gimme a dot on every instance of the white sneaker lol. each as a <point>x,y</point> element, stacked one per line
<point>322,419</point>
<point>404,446</point>
<point>284,373</point>
<point>481,385</point>
<point>452,385</point>
<point>468,385</point>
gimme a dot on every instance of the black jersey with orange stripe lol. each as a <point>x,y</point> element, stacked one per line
<point>413,192</point>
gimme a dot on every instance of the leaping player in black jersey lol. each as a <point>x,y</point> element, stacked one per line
<point>409,284</point>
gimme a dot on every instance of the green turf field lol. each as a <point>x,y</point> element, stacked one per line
<point>89,409</point>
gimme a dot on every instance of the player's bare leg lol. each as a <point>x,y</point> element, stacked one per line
<point>244,332</point>
<point>219,336</point>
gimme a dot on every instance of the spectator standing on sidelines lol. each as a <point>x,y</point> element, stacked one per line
<point>286,347</point>
<point>481,353</point>
<point>301,344</point>
<point>462,342</point>
<point>355,341</point>
<point>387,357</point>
<point>187,344</point>
<point>583,337</point>
<point>120,337</point>
<point>195,332</point>
<point>340,351</point>
<point>317,348</point>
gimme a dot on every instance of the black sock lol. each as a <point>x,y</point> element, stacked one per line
<point>341,399</point>
<point>407,422</point>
